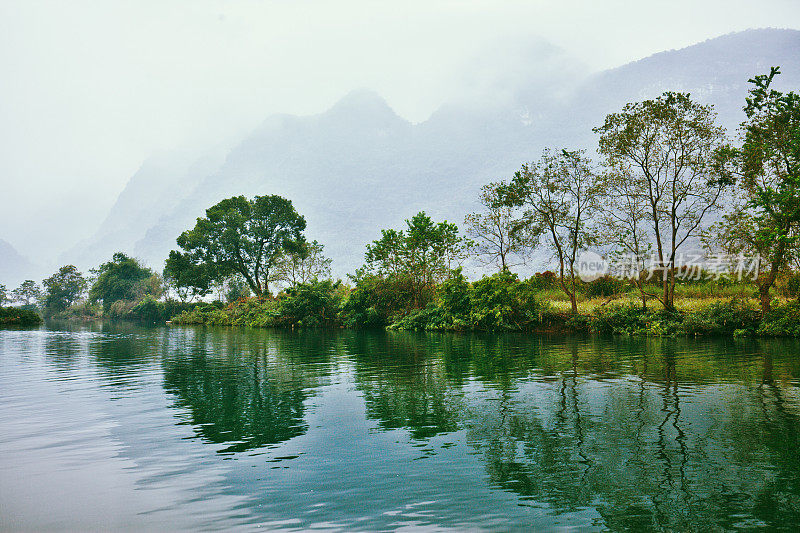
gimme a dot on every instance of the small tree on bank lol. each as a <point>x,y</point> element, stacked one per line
<point>558,195</point>
<point>496,242</point>
<point>766,219</point>
<point>28,293</point>
<point>425,253</point>
<point>63,288</point>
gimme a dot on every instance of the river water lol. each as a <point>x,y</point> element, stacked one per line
<point>117,427</point>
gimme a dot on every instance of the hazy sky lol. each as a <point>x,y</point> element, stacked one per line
<point>88,90</point>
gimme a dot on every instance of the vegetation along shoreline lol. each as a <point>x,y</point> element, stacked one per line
<point>669,183</point>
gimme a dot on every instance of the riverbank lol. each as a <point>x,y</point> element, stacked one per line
<point>734,317</point>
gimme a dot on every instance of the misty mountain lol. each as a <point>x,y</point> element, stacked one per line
<point>14,268</point>
<point>359,167</point>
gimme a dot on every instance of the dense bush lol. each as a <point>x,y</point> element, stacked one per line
<point>735,316</point>
<point>604,287</point>
<point>311,304</point>
<point>377,301</point>
<point>14,316</point>
<point>632,319</point>
<point>781,321</point>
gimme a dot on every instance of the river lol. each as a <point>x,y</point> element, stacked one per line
<point>121,427</point>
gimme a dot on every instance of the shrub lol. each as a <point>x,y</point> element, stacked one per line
<point>543,280</point>
<point>723,318</point>
<point>502,302</point>
<point>604,287</point>
<point>14,316</point>
<point>781,321</point>
<point>311,304</point>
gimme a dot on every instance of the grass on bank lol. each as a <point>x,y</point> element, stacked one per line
<point>504,303</point>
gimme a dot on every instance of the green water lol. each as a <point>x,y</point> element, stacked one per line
<point>119,427</point>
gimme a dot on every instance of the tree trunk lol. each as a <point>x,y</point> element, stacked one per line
<point>764,297</point>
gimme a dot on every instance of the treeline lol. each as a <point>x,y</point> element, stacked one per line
<point>668,179</point>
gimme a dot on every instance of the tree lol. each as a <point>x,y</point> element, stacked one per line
<point>28,293</point>
<point>667,151</point>
<point>492,229</point>
<point>123,278</point>
<point>188,278</point>
<point>765,221</point>
<point>63,288</point>
<point>3,295</point>
<point>558,195</point>
<point>305,265</point>
<point>236,287</point>
<point>425,253</point>
<point>244,236</point>
<point>622,218</point>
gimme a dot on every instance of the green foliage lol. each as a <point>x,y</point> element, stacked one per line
<point>766,220</point>
<point>604,286</point>
<point>781,321</point>
<point>241,236</point>
<point>501,302</point>
<point>631,319</point>
<point>311,304</point>
<point>63,288</point>
<point>28,293</point>
<point>723,318</point>
<point>14,316</point>
<point>423,255</point>
<point>187,276</point>
<point>3,295</point>
<point>122,279</point>
<point>376,300</point>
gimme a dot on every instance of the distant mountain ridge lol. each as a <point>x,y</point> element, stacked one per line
<point>14,268</point>
<point>360,167</point>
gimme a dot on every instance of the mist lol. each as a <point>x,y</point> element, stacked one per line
<point>93,90</point>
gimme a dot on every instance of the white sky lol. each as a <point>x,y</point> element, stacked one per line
<point>88,90</point>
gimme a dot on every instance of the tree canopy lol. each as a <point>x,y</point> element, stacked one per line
<point>765,220</point>
<point>246,237</point>
<point>63,288</point>
<point>122,278</point>
<point>665,152</point>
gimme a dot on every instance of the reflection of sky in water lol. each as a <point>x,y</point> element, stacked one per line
<point>121,427</point>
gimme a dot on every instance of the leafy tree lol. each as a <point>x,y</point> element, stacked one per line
<point>765,220</point>
<point>305,265</point>
<point>247,237</point>
<point>123,278</point>
<point>187,277</point>
<point>558,195</point>
<point>63,288</point>
<point>667,151</point>
<point>236,287</point>
<point>3,295</point>
<point>493,230</point>
<point>28,293</point>
<point>425,252</point>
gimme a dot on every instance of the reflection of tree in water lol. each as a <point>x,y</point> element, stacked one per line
<point>649,433</point>
<point>250,391</point>
<point>403,386</point>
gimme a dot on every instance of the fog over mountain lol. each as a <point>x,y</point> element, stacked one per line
<point>14,268</point>
<point>360,167</point>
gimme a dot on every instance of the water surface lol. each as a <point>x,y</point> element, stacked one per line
<point>121,427</point>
